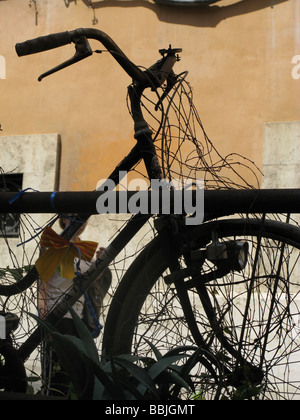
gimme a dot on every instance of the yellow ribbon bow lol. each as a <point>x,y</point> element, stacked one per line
<point>61,252</point>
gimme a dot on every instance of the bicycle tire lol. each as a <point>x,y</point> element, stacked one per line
<point>142,290</point>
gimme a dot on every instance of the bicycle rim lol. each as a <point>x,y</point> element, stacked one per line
<point>254,344</point>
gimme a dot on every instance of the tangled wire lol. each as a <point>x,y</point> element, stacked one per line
<point>184,148</point>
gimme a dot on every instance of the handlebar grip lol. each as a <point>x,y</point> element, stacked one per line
<point>43,43</point>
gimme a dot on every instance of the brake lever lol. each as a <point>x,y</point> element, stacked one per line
<point>83,50</point>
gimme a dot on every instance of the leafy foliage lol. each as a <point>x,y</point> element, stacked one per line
<point>129,377</point>
<point>124,377</point>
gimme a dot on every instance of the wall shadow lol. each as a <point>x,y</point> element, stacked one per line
<point>202,16</point>
<point>68,2</point>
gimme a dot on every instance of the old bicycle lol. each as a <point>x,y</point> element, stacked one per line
<point>228,286</point>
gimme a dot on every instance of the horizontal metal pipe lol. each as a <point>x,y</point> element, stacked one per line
<point>214,201</point>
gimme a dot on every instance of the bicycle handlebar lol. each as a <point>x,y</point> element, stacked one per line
<point>49,42</point>
<point>43,43</point>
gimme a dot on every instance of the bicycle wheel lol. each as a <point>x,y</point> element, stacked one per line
<point>248,320</point>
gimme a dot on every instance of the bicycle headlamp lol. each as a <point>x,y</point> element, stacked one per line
<point>232,254</point>
<point>238,252</point>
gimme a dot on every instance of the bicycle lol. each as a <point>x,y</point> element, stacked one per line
<point>228,286</point>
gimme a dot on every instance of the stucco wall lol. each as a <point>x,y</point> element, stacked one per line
<point>281,155</point>
<point>37,157</point>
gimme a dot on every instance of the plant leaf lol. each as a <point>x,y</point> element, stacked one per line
<point>74,363</point>
<point>86,337</point>
<point>162,364</point>
<point>139,374</point>
<point>157,353</point>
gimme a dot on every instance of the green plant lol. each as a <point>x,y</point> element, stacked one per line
<point>124,377</point>
<point>130,377</point>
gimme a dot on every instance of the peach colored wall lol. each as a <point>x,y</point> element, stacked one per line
<point>239,56</point>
